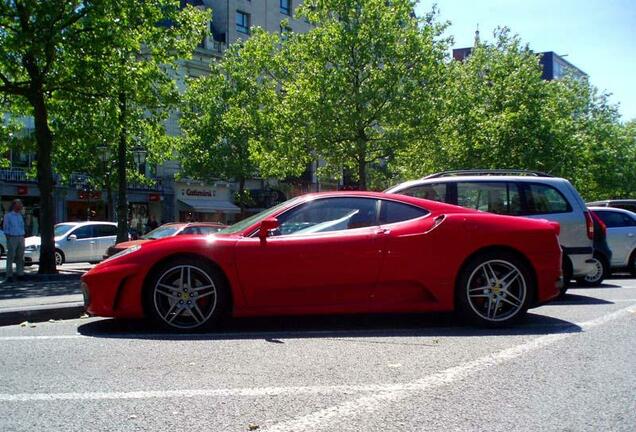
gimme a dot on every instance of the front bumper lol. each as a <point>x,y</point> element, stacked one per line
<point>114,291</point>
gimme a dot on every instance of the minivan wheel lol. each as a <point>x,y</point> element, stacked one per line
<point>495,289</point>
<point>594,279</point>
<point>632,264</point>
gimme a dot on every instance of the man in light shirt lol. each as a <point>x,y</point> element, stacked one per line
<point>13,227</point>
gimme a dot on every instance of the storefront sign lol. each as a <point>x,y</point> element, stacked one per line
<point>154,197</point>
<point>198,193</point>
<point>23,190</point>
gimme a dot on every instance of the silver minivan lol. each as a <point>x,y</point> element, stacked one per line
<point>75,242</point>
<point>518,193</point>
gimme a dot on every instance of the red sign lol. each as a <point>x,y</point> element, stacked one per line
<point>154,197</point>
<point>23,190</point>
<point>93,196</point>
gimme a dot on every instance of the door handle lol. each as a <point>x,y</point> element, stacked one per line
<point>383,231</point>
<point>92,242</point>
<point>630,234</point>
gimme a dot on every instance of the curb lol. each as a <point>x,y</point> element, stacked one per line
<point>60,277</point>
<point>41,313</point>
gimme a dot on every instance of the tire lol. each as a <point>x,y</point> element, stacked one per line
<point>185,294</point>
<point>59,257</point>
<point>2,251</point>
<point>499,298</point>
<point>596,279</point>
<point>567,275</point>
<point>632,264</point>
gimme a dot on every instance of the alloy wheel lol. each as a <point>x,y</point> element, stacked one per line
<point>185,297</point>
<point>496,290</point>
<point>58,259</point>
<point>597,274</point>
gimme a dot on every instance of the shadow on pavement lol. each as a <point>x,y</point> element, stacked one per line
<point>26,289</point>
<point>577,299</point>
<point>356,326</point>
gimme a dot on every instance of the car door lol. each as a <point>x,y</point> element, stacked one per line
<point>106,236</point>
<point>325,253</point>
<point>407,255</point>
<point>78,244</point>
<point>621,235</point>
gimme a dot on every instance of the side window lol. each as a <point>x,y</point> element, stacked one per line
<point>543,199</point>
<point>615,219</point>
<point>392,212</point>
<point>329,214</point>
<point>84,232</point>
<point>190,230</point>
<point>105,230</point>
<point>493,197</point>
<point>431,191</point>
<point>208,230</point>
<point>630,207</point>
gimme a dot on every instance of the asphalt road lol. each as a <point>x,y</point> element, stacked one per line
<point>571,366</point>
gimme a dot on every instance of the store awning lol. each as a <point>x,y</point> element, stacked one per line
<point>209,205</point>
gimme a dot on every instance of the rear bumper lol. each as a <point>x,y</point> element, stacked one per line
<point>581,259</point>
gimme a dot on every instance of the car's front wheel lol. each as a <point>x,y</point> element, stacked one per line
<point>186,294</point>
<point>59,258</point>
<point>494,289</point>
<point>601,270</point>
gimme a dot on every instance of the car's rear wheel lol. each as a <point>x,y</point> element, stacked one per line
<point>186,294</point>
<point>632,264</point>
<point>59,257</point>
<point>495,289</point>
<point>601,270</point>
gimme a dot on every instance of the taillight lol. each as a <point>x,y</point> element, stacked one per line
<point>600,223</point>
<point>590,226</point>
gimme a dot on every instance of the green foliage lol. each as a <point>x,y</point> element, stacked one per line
<point>224,112</point>
<point>353,88</point>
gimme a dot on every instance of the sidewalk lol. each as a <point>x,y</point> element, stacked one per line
<point>41,297</point>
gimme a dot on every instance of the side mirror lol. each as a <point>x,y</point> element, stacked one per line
<point>71,237</point>
<point>267,225</point>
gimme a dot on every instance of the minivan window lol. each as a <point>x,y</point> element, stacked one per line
<point>105,230</point>
<point>429,191</point>
<point>543,199</point>
<point>393,212</point>
<point>493,197</point>
<point>84,232</point>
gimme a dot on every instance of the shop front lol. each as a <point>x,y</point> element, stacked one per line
<point>203,203</point>
<point>30,197</point>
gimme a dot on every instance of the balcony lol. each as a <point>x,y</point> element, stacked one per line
<point>16,175</point>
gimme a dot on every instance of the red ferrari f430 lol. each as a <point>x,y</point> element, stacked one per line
<point>340,252</point>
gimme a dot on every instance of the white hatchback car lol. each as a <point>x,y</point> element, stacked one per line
<point>75,242</point>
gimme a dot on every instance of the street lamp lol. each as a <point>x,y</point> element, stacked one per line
<point>103,153</point>
<point>139,154</point>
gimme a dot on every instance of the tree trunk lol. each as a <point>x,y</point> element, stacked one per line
<point>109,199</point>
<point>122,186</point>
<point>44,139</point>
<point>362,164</point>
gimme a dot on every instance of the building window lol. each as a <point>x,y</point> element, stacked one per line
<point>285,7</point>
<point>242,22</point>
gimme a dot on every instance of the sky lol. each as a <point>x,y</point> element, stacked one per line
<point>598,36</point>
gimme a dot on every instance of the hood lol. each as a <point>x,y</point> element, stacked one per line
<point>126,245</point>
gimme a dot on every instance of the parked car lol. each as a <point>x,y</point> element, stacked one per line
<point>602,255</point>
<point>626,204</point>
<point>75,242</point>
<point>337,252</point>
<point>168,230</point>
<point>3,243</point>
<point>518,193</point>
<point>621,236</point>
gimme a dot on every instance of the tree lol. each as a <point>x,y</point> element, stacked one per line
<point>224,112</point>
<point>353,89</point>
<point>137,94</point>
<point>49,50</point>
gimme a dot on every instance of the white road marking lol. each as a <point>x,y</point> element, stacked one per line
<point>370,403</point>
<point>376,395</point>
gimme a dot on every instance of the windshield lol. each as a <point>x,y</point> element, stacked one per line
<point>245,223</point>
<point>161,232</point>
<point>61,229</point>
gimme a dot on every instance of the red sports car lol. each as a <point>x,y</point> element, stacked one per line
<point>340,252</point>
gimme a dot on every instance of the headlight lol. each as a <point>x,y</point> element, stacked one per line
<point>32,248</point>
<point>124,252</point>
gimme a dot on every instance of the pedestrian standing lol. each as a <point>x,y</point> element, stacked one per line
<point>13,226</point>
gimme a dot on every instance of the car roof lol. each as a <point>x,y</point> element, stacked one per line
<point>481,178</point>
<point>614,209</point>
<point>88,223</point>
